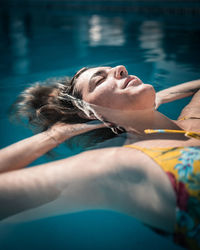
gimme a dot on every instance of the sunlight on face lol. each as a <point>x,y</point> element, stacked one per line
<point>114,88</point>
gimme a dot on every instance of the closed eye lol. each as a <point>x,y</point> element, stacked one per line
<point>99,80</point>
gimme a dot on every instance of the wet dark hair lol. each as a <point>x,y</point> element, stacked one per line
<point>45,103</point>
<point>56,100</point>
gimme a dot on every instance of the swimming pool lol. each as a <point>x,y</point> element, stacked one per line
<point>36,44</point>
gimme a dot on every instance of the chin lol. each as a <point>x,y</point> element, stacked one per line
<point>148,86</point>
<point>145,99</point>
<point>150,92</point>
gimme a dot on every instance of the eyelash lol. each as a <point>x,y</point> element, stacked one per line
<point>100,80</point>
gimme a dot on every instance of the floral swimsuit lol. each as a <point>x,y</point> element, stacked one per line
<point>182,165</point>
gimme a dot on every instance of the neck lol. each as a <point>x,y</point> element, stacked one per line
<point>138,121</point>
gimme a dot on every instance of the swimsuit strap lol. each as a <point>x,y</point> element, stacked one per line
<point>190,134</point>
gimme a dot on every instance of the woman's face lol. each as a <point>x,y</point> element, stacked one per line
<point>113,88</point>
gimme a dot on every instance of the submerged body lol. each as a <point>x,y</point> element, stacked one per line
<point>182,166</point>
<point>129,179</point>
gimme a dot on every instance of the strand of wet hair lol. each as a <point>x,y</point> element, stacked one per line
<point>86,108</point>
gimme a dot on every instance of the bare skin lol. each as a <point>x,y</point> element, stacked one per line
<point>113,182</point>
<point>132,105</point>
<point>115,178</point>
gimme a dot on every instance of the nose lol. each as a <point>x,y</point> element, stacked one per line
<point>120,72</point>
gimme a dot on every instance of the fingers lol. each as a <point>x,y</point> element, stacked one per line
<point>63,131</point>
<point>90,125</point>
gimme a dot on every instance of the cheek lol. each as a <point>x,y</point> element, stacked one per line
<point>100,100</point>
<point>102,96</point>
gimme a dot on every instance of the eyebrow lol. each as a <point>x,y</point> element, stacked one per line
<point>98,73</point>
<point>78,73</point>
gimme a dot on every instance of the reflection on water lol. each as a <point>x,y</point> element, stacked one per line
<point>19,46</point>
<point>105,31</point>
<point>50,41</point>
<point>151,37</point>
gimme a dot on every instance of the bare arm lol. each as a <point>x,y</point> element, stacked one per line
<point>24,152</point>
<point>47,184</point>
<point>115,179</point>
<point>80,182</point>
<point>177,92</point>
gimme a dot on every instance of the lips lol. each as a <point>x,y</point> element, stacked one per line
<point>131,81</point>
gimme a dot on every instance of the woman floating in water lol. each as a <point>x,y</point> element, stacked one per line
<point>154,176</point>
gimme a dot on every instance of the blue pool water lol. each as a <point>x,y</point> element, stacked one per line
<point>35,44</point>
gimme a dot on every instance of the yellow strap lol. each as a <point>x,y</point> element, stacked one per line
<point>190,134</point>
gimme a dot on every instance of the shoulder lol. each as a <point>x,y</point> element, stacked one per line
<point>130,165</point>
<point>190,115</point>
<point>196,98</point>
<point>119,160</point>
<point>118,155</point>
<point>134,184</point>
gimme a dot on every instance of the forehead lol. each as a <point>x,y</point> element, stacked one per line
<point>83,80</point>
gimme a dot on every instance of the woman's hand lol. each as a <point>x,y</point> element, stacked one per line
<point>62,131</point>
<point>22,153</point>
